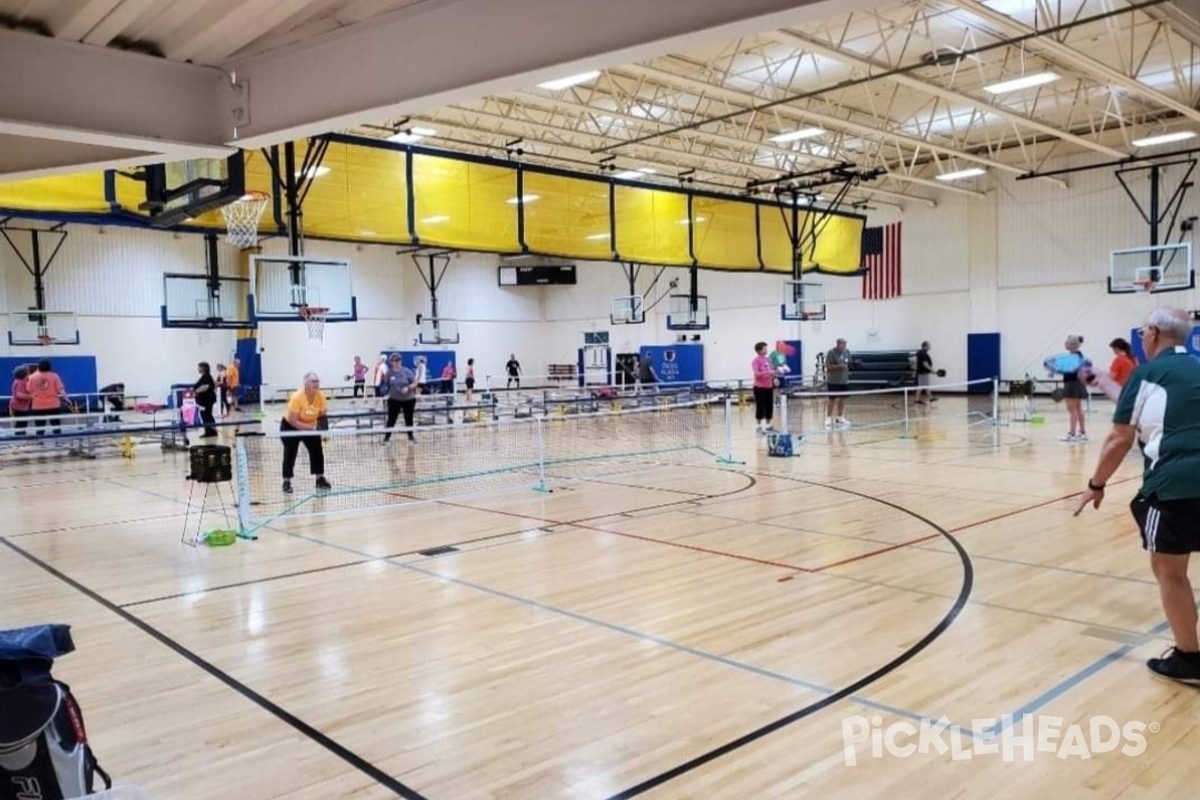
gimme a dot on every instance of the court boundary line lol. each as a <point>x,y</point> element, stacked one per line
<point>317,570</point>
<point>283,715</point>
<point>968,572</point>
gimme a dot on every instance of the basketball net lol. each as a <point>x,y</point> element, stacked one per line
<point>241,218</point>
<point>316,317</point>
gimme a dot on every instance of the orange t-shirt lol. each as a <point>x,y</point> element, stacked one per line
<point>1122,367</point>
<point>232,376</point>
<point>46,389</point>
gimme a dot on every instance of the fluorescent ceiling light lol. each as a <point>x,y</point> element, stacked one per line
<point>559,84</point>
<point>366,233</point>
<point>314,172</point>
<point>527,198</point>
<point>699,220</point>
<point>1163,138</point>
<point>969,172</point>
<point>419,131</point>
<point>803,133</point>
<point>405,137</point>
<point>597,237</point>
<point>630,174</point>
<point>434,220</point>
<point>1023,82</point>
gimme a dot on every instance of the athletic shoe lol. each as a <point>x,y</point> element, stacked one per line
<point>287,487</point>
<point>1070,437</point>
<point>760,432</point>
<point>1172,665</point>
<point>323,484</point>
<point>1081,437</point>
<point>828,423</point>
<point>843,422</point>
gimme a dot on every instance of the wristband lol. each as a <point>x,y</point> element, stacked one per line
<point>1094,487</point>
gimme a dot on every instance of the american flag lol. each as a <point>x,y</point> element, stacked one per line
<point>881,260</point>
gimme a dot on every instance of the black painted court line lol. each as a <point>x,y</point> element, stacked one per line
<point>453,546</point>
<point>299,725</point>
<point>841,694</point>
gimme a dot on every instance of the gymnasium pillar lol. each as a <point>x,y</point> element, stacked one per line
<point>983,263</point>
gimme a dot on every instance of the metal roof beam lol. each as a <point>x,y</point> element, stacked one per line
<point>825,120</point>
<point>1067,54</point>
<point>929,87</point>
<point>398,64</point>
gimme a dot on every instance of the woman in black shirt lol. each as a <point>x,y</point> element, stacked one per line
<point>205,392</point>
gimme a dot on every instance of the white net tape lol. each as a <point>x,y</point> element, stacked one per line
<point>241,219</point>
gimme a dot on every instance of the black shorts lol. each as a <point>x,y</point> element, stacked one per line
<point>470,383</point>
<point>1168,526</point>
<point>837,387</point>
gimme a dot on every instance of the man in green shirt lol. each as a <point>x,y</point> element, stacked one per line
<point>1160,407</point>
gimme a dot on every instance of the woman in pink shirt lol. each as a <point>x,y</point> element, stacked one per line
<point>46,395</point>
<point>19,404</point>
<point>764,390</point>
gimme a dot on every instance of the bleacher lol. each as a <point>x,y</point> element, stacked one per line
<point>883,369</point>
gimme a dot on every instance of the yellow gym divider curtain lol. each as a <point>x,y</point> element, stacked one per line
<point>725,234</point>
<point>838,246</point>
<point>465,204</point>
<point>567,216</point>
<point>364,191</point>
<point>774,226</point>
<point>652,226</point>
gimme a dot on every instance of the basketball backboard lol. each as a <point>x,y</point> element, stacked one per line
<point>802,302</point>
<point>181,190</point>
<point>1165,268</point>
<point>190,302</point>
<point>628,310</point>
<point>437,331</point>
<point>32,328</point>
<point>686,313</point>
<point>282,285</point>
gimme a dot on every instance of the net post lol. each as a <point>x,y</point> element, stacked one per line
<point>907,401</point>
<point>540,428</point>
<point>245,521</point>
<point>995,401</point>
<point>783,410</point>
<point>727,456</point>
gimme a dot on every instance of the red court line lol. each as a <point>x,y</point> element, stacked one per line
<point>650,539</point>
<point>1014,512</point>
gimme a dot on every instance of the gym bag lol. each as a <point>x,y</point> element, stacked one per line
<point>44,753</point>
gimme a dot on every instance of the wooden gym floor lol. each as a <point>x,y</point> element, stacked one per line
<point>663,629</point>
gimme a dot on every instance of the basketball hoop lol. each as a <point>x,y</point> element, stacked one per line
<point>1143,285</point>
<point>315,316</point>
<point>45,340</point>
<point>241,218</point>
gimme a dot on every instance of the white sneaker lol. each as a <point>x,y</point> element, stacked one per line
<point>828,423</point>
<point>1069,437</point>
<point>1081,437</point>
<point>760,432</point>
<point>843,422</point>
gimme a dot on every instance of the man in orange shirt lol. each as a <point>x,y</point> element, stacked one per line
<point>46,394</point>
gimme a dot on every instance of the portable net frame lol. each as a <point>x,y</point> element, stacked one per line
<point>316,317</point>
<point>242,217</point>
